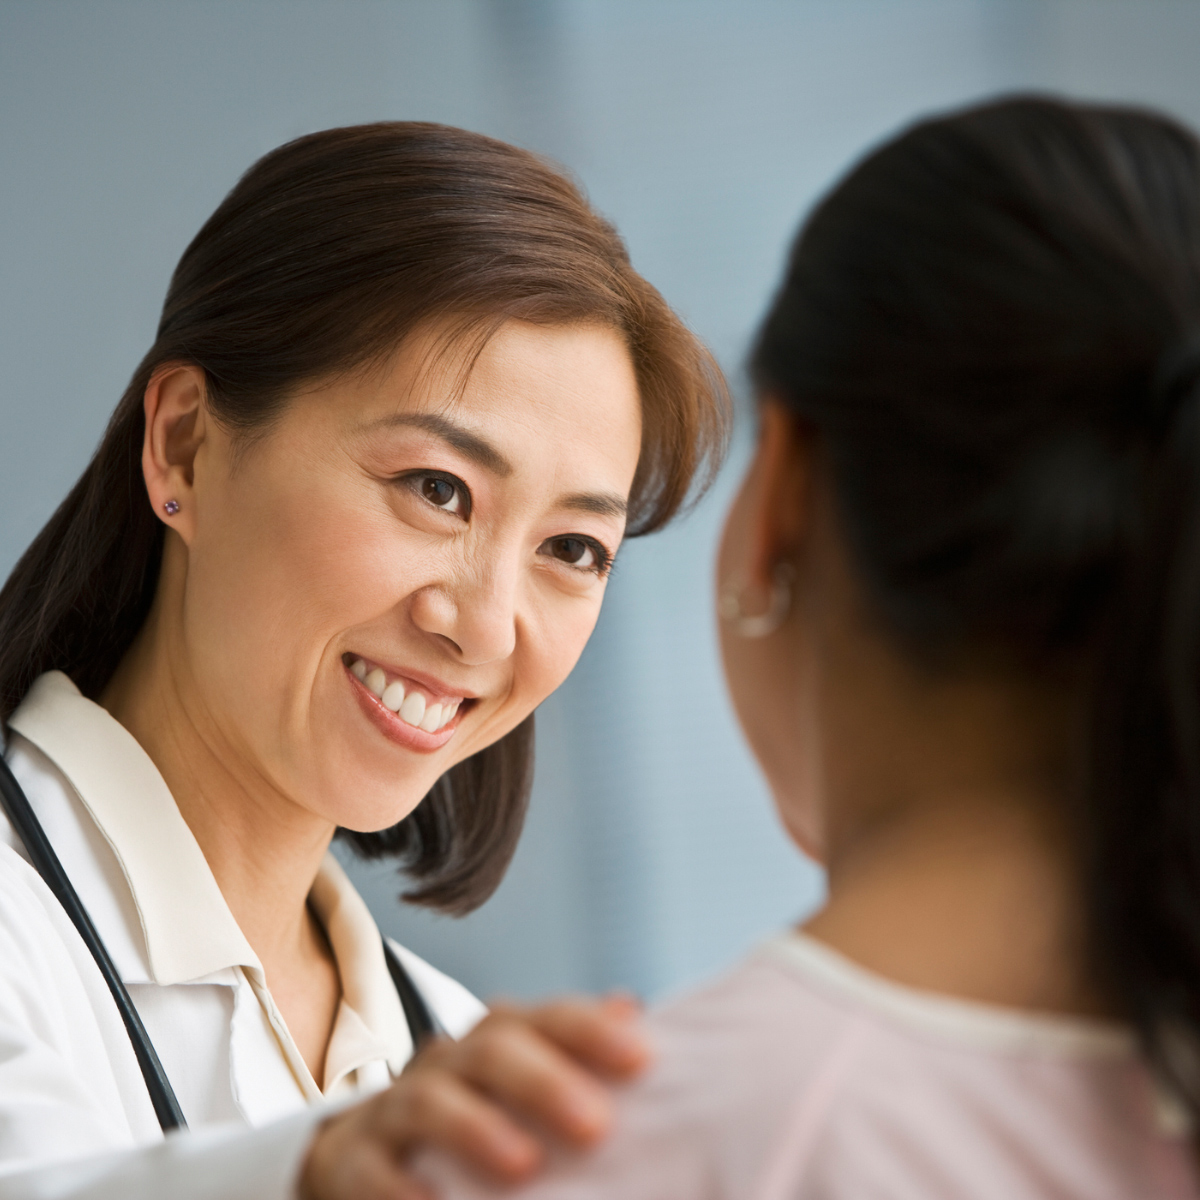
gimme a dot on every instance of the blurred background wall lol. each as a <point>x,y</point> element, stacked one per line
<point>704,128</point>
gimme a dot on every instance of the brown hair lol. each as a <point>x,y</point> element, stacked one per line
<point>327,253</point>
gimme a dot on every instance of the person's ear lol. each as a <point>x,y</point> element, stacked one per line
<point>779,522</point>
<point>176,426</point>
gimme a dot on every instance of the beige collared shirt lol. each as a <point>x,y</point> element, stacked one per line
<point>69,1084</point>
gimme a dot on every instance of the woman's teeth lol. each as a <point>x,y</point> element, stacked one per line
<point>411,707</point>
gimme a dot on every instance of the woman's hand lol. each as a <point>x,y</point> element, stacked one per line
<point>536,1065</point>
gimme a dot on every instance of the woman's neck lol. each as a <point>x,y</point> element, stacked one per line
<point>264,850</point>
<point>949,828</point>
<point>976,897</point>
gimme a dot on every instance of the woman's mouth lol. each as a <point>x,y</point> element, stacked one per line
<point>411,703</point>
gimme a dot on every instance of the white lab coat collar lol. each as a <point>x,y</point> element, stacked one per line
<point>189,930</point>
<point>188,927</point>
<point>370,1000</point>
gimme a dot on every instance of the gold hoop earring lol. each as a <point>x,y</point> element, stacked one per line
<point>764,624</point>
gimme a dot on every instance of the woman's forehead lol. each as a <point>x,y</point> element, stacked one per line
<point>553,388</point>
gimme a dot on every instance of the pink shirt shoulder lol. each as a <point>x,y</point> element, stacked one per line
<point>800,1074</point>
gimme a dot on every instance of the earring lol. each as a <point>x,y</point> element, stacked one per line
<point>171,507</point>
<point>778,606</point>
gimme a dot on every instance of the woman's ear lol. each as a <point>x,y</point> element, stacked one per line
<point>779,522</point>
<point>176,426</point>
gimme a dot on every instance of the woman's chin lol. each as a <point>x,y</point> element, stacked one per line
<point>372,808</point>
<point>367,783</point>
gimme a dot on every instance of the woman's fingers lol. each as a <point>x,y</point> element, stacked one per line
<point>436,1105</point>
<point>542,1062</point>
<point>522,1069</point>
<point>604,1036</point>
<point>362,1154</point>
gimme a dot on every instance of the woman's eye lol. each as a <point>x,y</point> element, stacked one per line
<point>579,553</point>
<point>446,494</point>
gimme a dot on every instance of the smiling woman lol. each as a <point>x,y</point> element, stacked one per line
<point>350,524</point>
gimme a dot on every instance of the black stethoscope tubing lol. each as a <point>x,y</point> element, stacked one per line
<point>422,1025</point>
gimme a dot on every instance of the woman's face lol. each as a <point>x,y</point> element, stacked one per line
<point>397,572</point>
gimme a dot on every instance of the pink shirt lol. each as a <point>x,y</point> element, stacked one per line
<point>802,1075</point>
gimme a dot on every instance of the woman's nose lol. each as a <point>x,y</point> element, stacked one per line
<point>477,614</point>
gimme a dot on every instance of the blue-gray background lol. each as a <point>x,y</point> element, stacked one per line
<point>704,128</point>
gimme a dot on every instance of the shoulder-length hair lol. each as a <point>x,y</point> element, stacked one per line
<point>328,252</point>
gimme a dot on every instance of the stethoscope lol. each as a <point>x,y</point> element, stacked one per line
<point>422,1025</point>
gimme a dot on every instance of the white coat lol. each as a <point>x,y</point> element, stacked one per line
<point>76,1121</point>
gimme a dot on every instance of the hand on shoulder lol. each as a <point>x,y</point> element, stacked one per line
<point>481,1100</point>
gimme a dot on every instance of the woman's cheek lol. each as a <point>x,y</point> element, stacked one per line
<point>565,642</point>
<point>293,568</point>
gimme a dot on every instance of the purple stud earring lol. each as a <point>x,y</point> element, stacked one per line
<point>171,507</point>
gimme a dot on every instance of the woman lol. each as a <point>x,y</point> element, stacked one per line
<point>961,627</point>
<point>350,524</point>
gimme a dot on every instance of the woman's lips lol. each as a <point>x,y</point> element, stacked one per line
<point>413,704</point>
<point>403,709</point>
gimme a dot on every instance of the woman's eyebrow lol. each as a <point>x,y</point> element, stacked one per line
<point>469,444</point>
<point>603,503</point>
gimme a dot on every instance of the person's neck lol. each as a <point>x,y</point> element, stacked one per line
<point>974,896</point>
<point>263,849</point>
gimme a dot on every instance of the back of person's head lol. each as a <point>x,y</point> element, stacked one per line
<point>993,324</point>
